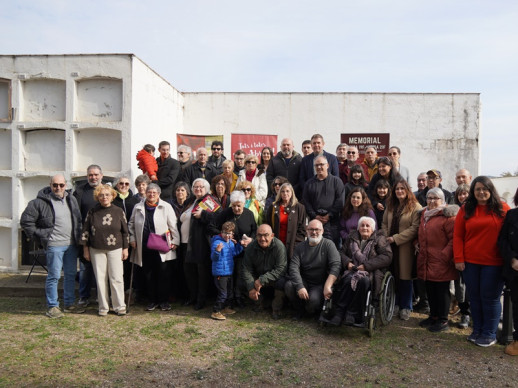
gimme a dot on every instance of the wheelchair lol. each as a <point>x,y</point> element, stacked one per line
<point>378,308</point>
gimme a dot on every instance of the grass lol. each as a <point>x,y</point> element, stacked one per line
<point>190,349</point>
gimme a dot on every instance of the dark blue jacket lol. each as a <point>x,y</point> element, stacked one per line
<point>307,170</point>
<point>223,262</point>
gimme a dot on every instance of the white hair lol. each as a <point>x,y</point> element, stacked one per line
<point>370,220</point>
<point>237,196</point>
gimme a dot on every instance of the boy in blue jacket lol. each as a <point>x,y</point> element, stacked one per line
<point>223,250</point>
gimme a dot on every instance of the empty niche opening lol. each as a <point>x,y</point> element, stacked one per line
<point>99,100</point>
<point>99,146</point>
<point>43,100</point>
<point>5,244</point>
<point>31,186</point>
<point>5,100</point>
<point>44,150</point>
<point>5,149</point>
<point>6,208</point>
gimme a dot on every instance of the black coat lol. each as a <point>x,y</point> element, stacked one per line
<point>127,204</point>
<point>245,223</point>
<point>508,242</point>
<point>278,167</point>
<point>167,174</point>
<point>194,172</point>
<point>198,247</point>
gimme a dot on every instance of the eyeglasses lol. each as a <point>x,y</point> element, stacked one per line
<point>228,233</point>
<point>313,230</point>
<point>181,153</point>
<point>351,152</point>
<point>261,235</point>
<point>433,178</point>
<point>123,183</point>
<point>216,149</point>
<point>431,199</point>
<point>251,162</point>
<point>198,187</point>
<point>56,185</point>
<point>320,164</point>
<point>247,189</point>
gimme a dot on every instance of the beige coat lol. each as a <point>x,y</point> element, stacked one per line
<point>408,227</point>
<point>164,218</point>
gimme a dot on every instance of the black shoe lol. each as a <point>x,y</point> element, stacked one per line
<point>427,322</point>
<point>438,327</point>
<point>335,321</point>
<point>165,306</point>
<point>422,308</point>
<point>151,306</point>
<point>239,303</point>
<point>359,323</point>
<point>188,302</point>
<point>198,306</point>
<point>276,315</point>
<point>299,315</point>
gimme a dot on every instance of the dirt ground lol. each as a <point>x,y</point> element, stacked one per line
<point>183,348</point>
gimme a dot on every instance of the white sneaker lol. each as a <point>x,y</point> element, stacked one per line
<point>404,314</point>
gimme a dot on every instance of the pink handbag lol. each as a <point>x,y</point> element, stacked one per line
<point>158,242</point>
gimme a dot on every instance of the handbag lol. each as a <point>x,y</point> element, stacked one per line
<point>158,242</point>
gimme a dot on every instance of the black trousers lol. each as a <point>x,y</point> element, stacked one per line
<point>513,285</point>
<point>352,301</point>
<point>156,276</point>
<point>439,298</point>
<point>198,276</point>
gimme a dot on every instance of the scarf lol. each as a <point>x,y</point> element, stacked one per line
<point>429,213</point>
<point>250,175</point>
<point>150,206</point>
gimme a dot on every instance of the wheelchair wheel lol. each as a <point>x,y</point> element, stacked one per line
<point>370,326</point>
<point>387,298</point>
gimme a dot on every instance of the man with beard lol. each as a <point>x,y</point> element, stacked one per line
<point>287,164</point>
<point>313,270</point>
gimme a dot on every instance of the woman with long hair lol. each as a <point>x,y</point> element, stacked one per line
<point>400,224</point>
<point>476,254</point>
<point>357,205</point>
<point>386,171</point>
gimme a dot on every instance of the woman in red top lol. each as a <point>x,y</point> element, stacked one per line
<point>476,254</point>
<point>287,217</point>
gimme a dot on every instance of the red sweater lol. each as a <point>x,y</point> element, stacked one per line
<point>474,240</point>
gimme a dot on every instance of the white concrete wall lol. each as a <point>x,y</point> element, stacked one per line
<point>506,188</point>
<point>157,112</point>
<point>433,130</point>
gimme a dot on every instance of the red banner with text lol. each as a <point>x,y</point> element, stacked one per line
<point>253,144</point>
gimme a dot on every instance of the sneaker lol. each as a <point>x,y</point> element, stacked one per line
<point>228,311</point>
<point>102,313</point>
<point>165,306</point>
<point>83,302</point>
<point>464,322</point>
<point>218,316</point>
<point>151,306</point>
<point>427,322</point>
<point>121,312</point>
<point>54,312</point>
<point>473,337</point>
<point>276,314</point>
<point>439,326</point>
<point>404,314</point>
<point>485,341</point>
<point>74,309</point>
<point>512,349</point>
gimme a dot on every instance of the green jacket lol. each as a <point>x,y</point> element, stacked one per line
<point>267,265</point>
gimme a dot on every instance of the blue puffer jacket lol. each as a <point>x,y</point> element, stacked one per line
<point>223,262</point>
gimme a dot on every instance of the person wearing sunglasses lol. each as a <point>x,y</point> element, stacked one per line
<point>251,202</point>
<point>217,158</point>
<point>255,175</point>
<point>54,220</point>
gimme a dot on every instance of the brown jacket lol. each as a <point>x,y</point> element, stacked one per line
<point>408,225</point>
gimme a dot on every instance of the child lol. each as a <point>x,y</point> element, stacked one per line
<point>147,162</point>
<point>379,199</point>
<point>223,250</point>
<point>356,179</point>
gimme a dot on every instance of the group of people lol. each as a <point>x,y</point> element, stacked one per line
<point>280,228</point>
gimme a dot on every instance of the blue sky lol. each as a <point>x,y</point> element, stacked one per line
<point>297,46</point>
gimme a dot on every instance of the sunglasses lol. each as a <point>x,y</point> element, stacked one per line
<point>247,189</point>
<point>216,149</point>
<point>251,162</point>
<point>123,183</point>
<point>56,185</point>
<point>351,152</point>
<point>277,184</point>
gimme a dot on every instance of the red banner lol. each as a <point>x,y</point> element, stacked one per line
<point>362,140</point>
<point>197,141</point>
<point>253,144</point>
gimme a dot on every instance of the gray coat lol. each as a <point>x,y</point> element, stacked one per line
<point>38,217</point>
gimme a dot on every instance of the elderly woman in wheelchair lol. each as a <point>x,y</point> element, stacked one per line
<point>366,255</point>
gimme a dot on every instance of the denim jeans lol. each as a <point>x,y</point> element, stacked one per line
<point>484,284</point>
<point>61,258</point>
<point>86,279</point>
<point>404,294</point>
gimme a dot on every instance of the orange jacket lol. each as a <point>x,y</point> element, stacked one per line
<point>147,163</point>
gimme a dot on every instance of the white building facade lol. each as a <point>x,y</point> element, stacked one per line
<point>61,113</point>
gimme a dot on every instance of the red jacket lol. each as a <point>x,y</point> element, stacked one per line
<point>474,240</point>
<point>147,163</point>
<point>435,260</point>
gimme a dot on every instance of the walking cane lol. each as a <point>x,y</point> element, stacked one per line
<point>131,287</point>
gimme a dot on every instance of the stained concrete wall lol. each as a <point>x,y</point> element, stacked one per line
<point>433,130</point>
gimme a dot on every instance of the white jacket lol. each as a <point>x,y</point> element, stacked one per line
<point>259,182</point>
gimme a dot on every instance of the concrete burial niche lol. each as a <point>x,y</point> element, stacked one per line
<point>6,205</point>
<point>43,149</point>
<point>5,100</point>
<point>98,100</point>
<point>5,149</point>
<point>43,100</point>
<point>5,243</point>
<point>30,187</point>
<point>99,146</point>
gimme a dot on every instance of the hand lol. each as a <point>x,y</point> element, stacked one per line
<point>257,285</point>
<point>246,241</point>
<point>133,244</point>
<point>173,247</point>
<point>303,294</point>
<point>86,253</point>
<point>323,219</point>
<point>124,254</point>
<point>361,267</point>
<point>390,240</point>
<point>219,247</point>
<point>380,206</point>
<point>460,266</point>
<point>197,213</point>
<point>514,263</point>
<point>328,292</point>
<point>253,294</point>
<point>350,265</point>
